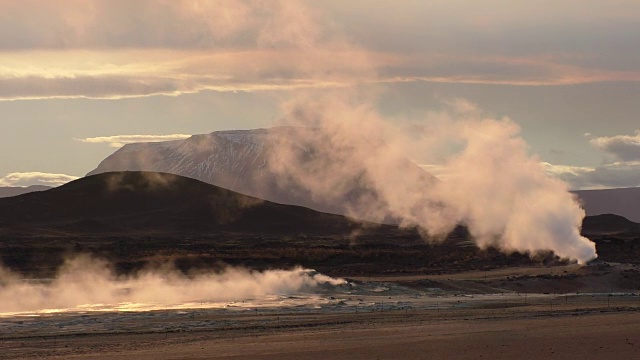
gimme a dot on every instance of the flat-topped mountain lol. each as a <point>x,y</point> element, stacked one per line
<point>244,161</point>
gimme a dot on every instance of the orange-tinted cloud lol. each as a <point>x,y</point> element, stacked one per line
<point>623,147</point>
<point>112,49</point>
<point>35,178</point>
<point>120,140</point>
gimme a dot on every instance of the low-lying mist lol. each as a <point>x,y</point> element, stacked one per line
<point>84,280</point>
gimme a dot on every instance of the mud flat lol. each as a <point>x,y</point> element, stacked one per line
<point>532,333</point>
<point>470,315</point>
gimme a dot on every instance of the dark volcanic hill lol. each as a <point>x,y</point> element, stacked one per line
<point>138,218</point>
<point>134,202</point>
<point>240,160</point>
<point>624,202</point>
<point>7,191</point>
<point>609,224</point>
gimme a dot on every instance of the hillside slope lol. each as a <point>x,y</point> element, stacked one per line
<point>129,202</point>
<point>243,161</point>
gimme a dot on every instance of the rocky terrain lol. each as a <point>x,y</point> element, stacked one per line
<point>134,218</point>
<point>399,285</point>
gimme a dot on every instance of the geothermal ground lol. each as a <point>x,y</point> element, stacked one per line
<point>559,312</point>
<point>192,271</point>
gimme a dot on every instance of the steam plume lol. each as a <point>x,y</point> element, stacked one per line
<point>496,188</point>
<point>348,153</point>
<point>83,280</point>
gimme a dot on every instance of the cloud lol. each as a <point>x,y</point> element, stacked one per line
<point>533,70</point>
<point>35,178</point>
<point>560,152</point>
<point>113,49</point>
<point>618,174</point>
<point>120,23</point>
<point>136,73</point>
<point>613,175</point>
<point>169,48</point>
<point>117,141</point>
<point>623,147</point>
<point>218,23</point>
<point>117,74</point>
<point>620,166</point>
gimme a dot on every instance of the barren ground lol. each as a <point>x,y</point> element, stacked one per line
<point>469,316</point>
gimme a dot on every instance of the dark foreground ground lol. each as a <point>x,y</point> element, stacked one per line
<point>546,328</point>
<point>504,313</point>
<point>442,300</point>
<point>388,252</point>
<point>395,252</point>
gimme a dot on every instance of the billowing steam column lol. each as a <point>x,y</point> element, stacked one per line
<point>505,197</point>
<point>346,153</point>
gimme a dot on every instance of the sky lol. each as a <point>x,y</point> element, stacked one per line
<point>80,78</point>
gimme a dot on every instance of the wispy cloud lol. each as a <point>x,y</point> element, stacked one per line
<point>625,148</point>
<point>613,175</point>
<point>117,141</point>
<point>35,178</point>
<point>125,73</point>
<point>116,74</point>
<point>171,48</point>
<point>623,171</point>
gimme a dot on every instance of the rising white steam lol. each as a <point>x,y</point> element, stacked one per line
<point>84,280</point>
<point>495,188</point>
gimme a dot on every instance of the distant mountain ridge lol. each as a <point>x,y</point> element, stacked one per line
<point>623,201</point>
<point>7,191</point>
<point>133,201</point>
<point>238,160</point>
<point>609,224</point>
